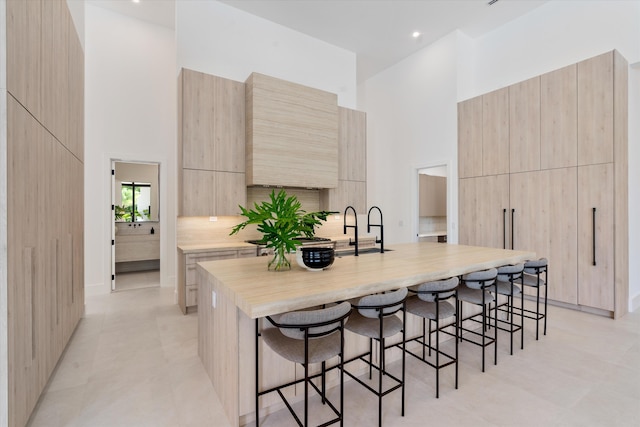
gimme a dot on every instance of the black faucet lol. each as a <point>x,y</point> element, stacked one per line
<point>352,226</point>
<point>369,225</point>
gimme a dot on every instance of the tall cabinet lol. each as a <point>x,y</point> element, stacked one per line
<point>560,187</point>
<point>352,164</point>
<point>211,145</point>
<point>44,116</point>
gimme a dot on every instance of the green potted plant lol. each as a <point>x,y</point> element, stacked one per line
<point>281,220</point>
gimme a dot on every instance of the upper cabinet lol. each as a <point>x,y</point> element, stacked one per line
<point>211,145</point>
<point>595,110</point>
<point>559,118</point>
<point>291,134</point>
<point>352,164</point>
<point>495,132</point>
<point>524,126</point>
<point>470,137</point>
<point>212,122</point>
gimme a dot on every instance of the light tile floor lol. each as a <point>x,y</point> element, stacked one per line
<point>133,362</point>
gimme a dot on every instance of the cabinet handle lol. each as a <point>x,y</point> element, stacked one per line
<point>513,214</point>
<point>594,236</point>
<point>504,228</point>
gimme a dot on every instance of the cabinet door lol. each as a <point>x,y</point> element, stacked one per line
<point>595,236</point>
<point>524,126</point>
<point>433,195</point>
<point>495,132</point>
<point>544,213</point>
<point>470,138</point>
<point>352,145</point>
<point>206,193</point>
<point>213,122</point>
<point>595,110</point>
<point>559,118</point>
<point>348,193</point>
<point>482,202</point>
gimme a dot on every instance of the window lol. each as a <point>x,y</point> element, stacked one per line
<point>136,202</point>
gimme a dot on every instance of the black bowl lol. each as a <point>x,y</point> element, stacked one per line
<point>317,258</point>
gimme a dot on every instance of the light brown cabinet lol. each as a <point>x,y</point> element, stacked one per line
<point>495,132</point>
<point>291,134</point>
<point>559,118</point>
<point>470,138</point>
<point>352,164</point>
<point>211,145</point>
<point>484,206</point>
<point>187,277</point>
<point>582,129</point>
<point>595,234</point>
<point>433,195</point>
<point>524,126</point>
<point>44,118</point>
<point>542,218</point>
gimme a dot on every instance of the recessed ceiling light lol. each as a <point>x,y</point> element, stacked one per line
<point>136,1</point>
<point>416,34</point>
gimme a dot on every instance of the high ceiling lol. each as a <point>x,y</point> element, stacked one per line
<point>378,31</point>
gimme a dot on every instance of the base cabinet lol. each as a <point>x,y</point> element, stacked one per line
<point>187,279</point>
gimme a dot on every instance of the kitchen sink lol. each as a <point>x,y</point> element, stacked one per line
<point>364,251</point>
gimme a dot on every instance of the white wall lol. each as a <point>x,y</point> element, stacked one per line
<point>411,124</point>
<point>130,106</point>
<point>411,106</point>
<point>217,39</point>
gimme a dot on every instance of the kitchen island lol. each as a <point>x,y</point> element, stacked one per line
<point>233,293</point>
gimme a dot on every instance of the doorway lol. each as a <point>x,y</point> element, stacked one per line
<point>135,233</point>
<point>432,204</point>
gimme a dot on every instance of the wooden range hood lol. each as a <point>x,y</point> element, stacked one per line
<point>291,134</point>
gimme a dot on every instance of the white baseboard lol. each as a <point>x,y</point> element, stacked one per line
<point>96,289</point>
<point>634,303</point>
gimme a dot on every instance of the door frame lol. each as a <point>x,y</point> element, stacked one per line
<point>112,202</point>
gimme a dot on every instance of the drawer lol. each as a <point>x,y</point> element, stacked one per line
<point>211,256</point>
<point>192,295</point>
<point>247,253</point>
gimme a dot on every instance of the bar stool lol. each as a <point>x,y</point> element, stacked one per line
<point>505,285</point>
<point>533,270</point>
<point>306,337</point>
<point>375,317</point>
<point>430,302</point>
<point>476,292</point>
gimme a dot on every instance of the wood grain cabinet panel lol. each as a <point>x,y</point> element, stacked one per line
<point>55,68</point>
<point>470,138</point>
<point>291,134</point>
<point>188,278</point>
<point>433,195</point>
<point>544,221</point>
<point>352,145</point>
<point>559,118</point>
<point>24,63</point>
<point>352,164</point>
<point>483,202</point>
<point>595,110</point>
<point>212,122</point>
<point>596,232</point>
<point>207,193</point>
<point>495,132</point>
<point>524,126</point>
<point>583,164</point>
<point>211,145</point>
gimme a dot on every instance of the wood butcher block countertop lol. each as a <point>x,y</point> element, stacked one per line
<point>258,292</point>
